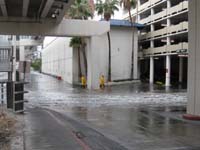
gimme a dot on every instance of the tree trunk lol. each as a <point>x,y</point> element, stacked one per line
<point>132,53</point>
<point>109,57</point>
<point>79,64</point>
<point>85,59</point>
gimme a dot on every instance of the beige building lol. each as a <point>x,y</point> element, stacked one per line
<point>164,41</point>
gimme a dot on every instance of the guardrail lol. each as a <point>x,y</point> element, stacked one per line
<point>145,5</point>
<point>166,49</point>
<point>167,12</point>
<point>183,26</point>
<point>5,59</point>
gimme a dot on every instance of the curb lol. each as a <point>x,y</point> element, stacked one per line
<point>191,117</point>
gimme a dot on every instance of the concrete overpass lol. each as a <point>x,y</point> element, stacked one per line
<point>45,18</point>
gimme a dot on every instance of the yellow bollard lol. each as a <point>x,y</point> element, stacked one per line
<point>102,82</point>
<point>83,82</point>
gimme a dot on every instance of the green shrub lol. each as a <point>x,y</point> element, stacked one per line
<point>36,64</point>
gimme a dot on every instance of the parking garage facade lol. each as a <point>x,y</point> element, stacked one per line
<point>163,51</point>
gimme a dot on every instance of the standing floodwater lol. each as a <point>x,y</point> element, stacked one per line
<point>51,92</point>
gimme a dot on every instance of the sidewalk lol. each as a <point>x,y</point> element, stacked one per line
<point>11,130</point>
<point>49,130</point>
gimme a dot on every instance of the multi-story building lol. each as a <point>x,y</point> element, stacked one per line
<point>22,48</point>
<point>164,41</point>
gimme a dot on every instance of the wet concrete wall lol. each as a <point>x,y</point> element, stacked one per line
<point>61,60</point>
<point>121,52</point>
<point>57,59</point>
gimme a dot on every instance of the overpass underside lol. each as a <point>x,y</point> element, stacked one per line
<point>33,10</point>
<point>44,18</point>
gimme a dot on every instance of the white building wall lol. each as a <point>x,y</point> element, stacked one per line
<point>60,60</point>
<point>121,44</point>
<point>57,59</point>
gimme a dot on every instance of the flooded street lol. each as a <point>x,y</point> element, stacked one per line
<point>135,116</point>
<point>51,92</point>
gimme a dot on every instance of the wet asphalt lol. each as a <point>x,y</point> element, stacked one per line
<point>135,117</point>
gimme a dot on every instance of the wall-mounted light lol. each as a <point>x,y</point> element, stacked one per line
<point>53,15</point>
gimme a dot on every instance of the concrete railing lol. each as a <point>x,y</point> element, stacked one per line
<point>159,32</point>
<point>166,48</point>
<point>155,1</point>
<point>159,15</point>
<point>145,36</point>
<point>148,4</point>
<point>151,51</point>
<point>181,6</point>
<point>174,48</point>
<point>167,30</point>
<point>145,20</point>
<point>144,6</point>
<point>167,12</point>
<point>185,45</point>
<point>176,28</point>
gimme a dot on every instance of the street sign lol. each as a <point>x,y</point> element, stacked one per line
<point>24,67</point>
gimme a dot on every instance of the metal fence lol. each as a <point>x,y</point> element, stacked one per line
<point>5,59</point>
<point>3,94</point>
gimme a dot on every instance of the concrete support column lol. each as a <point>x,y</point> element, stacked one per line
<point>168,3</point>
<point>138,3</point>
<point>168,22</point>
<point>94,61</point>
<point>180,70</point>
<point>135,56</point>
<point>168,59</point>
<point>193,106</point>
<point>168,70</point>
<point>138,17</point>
<point>152,25</point>
<point>152,44</point>
<point>152,41</point>
<point>168,38</point>
<point>22,53</point>
<point>14,57</point>
<point>22,58</point>
<point>152,29</point>
<point>137,7</point>
<point>151,76</point>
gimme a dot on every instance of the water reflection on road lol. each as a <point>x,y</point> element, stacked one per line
<point>136,115</point>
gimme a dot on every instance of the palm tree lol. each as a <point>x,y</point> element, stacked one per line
<point>81,9</point>
<point>107,9</point>
<point>76,42</point>
<point>128,5</point>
